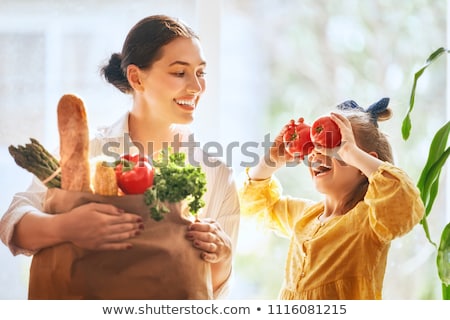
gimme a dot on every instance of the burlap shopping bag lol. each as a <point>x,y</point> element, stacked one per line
<point>161,265</point>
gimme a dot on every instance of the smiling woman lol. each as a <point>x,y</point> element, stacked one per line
<point>162,66</point>
<point>177,81</point>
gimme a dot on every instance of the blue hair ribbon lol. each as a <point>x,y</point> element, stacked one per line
<point>374,110</point>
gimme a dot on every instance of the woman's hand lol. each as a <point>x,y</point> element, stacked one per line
<point>208,236</point>
<point>98,226</point>
<point>215,245</point>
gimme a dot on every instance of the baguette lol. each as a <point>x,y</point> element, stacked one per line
<point>74,144</point>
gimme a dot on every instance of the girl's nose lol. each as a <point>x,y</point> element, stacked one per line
<point>314,156</point>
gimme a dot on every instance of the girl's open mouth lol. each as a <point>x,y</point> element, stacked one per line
<point>320,169</point>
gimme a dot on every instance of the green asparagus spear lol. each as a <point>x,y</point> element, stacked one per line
<point>36,159</point>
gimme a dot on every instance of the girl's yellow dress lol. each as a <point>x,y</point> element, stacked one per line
<point>345,257</point>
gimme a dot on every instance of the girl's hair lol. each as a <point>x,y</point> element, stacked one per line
<point>142,47</point>
<point>365,126</point>
<point>370,139</point>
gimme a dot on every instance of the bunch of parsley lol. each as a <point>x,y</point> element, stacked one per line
<point>174,181</point>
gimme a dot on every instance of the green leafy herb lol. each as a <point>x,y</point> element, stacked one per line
<point>174,181</point>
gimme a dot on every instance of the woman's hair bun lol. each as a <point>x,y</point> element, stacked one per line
<point>114,74</point>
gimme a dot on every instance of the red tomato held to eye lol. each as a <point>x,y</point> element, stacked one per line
<point>297,139</point>
<point>134,174</point>
<point>325,132</point>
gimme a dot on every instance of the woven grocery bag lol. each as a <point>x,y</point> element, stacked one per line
<point>161,265</point>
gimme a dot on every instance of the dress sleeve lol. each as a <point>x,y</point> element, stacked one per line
<point>23,202</point>
<point>263,199</point>
<point>395,206</point>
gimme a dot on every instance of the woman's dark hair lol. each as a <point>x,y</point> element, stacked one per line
<point>142,47</point>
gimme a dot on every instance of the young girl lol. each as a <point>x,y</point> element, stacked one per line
<point>338,246</point>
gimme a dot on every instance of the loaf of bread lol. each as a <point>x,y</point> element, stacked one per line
<point>105,181</point>
<point>74,144</point>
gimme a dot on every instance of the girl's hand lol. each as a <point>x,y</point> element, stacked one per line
<point>208,236</point>
<point>277,152</point>
<point>98,226</point>
<point>348,142</point>
<point>350,152</point>
<point>275,158</point>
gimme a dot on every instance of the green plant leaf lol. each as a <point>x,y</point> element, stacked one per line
<point>445,292</point>
<point>424,223</point>
<point>428,183</point>
<point>437,157</point>
<point>406,124</point>
<point>428,192</point>
<point>443,256</point>
<point>434,189</point>
<point>429,188</point>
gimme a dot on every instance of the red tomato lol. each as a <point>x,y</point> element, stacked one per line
<point>325,132</point>
<point>297,139</point>
<point>134,174</point>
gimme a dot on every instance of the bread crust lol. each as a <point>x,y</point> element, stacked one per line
<point>74,144</point>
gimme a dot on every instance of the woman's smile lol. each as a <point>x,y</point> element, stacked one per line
<point>186,104</point>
